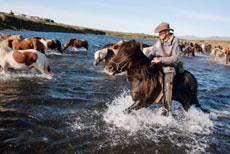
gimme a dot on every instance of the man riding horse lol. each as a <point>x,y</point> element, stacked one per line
<point>166,51</point>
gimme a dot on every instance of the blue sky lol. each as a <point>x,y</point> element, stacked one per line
<point>201,18</point>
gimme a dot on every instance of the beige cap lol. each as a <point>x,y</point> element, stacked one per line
<point>162,26</point>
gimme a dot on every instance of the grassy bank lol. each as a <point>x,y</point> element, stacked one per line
<point>11,22</point>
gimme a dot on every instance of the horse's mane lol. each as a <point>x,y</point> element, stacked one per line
<point>134,53</point>
<point>145,71</point>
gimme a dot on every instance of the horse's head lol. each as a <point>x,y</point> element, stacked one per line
<point>128,54</point>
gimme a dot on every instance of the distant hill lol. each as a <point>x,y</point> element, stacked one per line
<point>191,37</point>
<point>11,22</point>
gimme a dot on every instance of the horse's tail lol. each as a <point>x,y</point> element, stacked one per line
<point>47,67</point>
<point>197,104</point>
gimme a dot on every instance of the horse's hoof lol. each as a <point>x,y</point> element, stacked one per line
<point>164,112</point>
<point>128,111</point>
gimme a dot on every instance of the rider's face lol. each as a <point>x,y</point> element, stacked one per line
<point>163,34</point>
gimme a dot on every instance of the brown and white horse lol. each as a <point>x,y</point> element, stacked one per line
<point>29,43</point>
<point>104,55</point>
<point>22,60</point>
<point>74,42</point>
<point>217,52</point>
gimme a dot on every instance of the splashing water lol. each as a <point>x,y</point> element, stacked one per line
<point>188,125</point>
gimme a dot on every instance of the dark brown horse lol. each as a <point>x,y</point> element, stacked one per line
<point>198,48</point>
<point>145,79</point>
<point>188,51</point>
<point>76,43</point>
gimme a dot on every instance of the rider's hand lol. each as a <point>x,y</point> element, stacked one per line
<point>156,60</point>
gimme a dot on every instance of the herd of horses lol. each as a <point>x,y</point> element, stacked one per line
<point>190,48</point>
<point>145,79</point>
<point>20,53</point>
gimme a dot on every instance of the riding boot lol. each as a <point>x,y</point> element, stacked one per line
<point>168,85</point>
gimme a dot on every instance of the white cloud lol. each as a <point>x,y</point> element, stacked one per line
<point>206,17</point>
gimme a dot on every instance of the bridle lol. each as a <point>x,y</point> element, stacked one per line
<point>120,66</point>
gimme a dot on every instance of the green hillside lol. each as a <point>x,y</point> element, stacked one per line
<point>11,22</point>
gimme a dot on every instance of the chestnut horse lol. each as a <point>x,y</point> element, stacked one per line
<point>7,36</point>
<point>227,54</point>
<point>29,43</point>
<point>145,79</point>
<point>188,51</point>
<point>114,45</point>
<point>76,43</point>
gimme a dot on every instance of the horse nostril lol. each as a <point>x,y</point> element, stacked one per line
<point>110,68</point>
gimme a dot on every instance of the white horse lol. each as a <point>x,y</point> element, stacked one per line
<point>23,60</point>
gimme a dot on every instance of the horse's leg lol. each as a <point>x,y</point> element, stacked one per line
<point>5,70</point>
<point>33,70</point>
<point>136,106</point>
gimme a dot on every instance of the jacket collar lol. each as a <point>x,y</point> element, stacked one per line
<point>170,39</point>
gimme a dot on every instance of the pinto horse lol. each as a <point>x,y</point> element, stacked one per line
<point>145,79</point>
<point>104,55</point>
<point>52,44</point>
<point>76,43</point>
<point>22,60</point>
<point>29,43</point>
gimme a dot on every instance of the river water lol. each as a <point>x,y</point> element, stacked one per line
<point>80,109</point>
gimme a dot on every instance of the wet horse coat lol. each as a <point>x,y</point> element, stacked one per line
<point>145,80</point>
